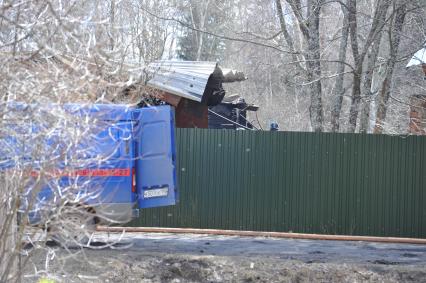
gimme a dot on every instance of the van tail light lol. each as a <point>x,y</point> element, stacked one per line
<point>133,180</point>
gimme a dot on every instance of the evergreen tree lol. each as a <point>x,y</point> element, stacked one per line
<point>210,16</point>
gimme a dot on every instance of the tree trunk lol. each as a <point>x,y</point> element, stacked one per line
<point>375,30</point>
<point>356,88</point>
<point>367,88</point>
<point>309,28</point>
<point>288,39</point>
<point>8,256</point>
<point>395,38</point>
<point>367,85</point>
<point>356,97</point>
<point>201,16</point>
<point>15,40</point>
<point>314,66</point>
<point>111,23</point>
<point>338,90</point>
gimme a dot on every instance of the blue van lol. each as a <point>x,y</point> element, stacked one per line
<point>127,163</point>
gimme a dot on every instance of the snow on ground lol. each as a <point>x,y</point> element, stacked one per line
<point>154,257</point>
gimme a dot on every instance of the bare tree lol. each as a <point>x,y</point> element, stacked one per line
<point>53,53</point>
<point>339,91</point>
<point>394,37</point>
<point>359,55</point>
<point>309,26</point>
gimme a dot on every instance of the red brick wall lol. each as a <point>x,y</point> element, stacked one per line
<point>417,124</point>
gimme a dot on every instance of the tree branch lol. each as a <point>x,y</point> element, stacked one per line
<point>225,37</point>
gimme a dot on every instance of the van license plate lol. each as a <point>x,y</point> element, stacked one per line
<point>162,192</point>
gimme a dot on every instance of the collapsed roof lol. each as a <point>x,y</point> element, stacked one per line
<point>194,80</point>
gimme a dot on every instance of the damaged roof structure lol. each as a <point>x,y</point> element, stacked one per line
<point>197,81</point>
<point>192,87</point>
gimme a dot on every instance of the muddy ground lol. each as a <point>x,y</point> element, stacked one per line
<point>146,257</point>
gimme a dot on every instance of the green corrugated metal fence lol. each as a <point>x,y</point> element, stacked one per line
<point>302,182</point>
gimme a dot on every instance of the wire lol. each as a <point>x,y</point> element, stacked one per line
<point>240,115</point>
<point>229,120</point>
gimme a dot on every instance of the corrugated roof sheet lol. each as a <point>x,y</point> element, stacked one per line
<point>187,78</point>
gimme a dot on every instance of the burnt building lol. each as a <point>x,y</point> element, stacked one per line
<point>196,91</point>
<point>231,113</point>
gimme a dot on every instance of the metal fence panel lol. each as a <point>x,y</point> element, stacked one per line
<point>329,183</point>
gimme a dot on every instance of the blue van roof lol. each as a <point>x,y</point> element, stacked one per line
<point>102,111</point>
<point>99,111</point>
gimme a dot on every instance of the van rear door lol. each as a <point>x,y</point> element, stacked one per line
<point>156,157</point>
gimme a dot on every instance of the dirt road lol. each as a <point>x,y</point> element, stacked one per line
<point>145,257</point>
